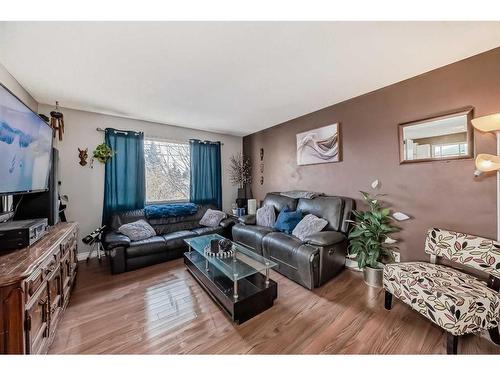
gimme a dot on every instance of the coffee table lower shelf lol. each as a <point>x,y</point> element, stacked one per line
<point>254,296</point>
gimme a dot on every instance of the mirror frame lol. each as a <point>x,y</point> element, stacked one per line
<point>470,135</point>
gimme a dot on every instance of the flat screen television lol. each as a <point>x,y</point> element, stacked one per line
<point>25,147</point>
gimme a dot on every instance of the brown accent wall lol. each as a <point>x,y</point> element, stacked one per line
<point>441,193</point>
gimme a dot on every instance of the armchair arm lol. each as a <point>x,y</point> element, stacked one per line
<point>117,260</point>
<point>227,223</point>
<point>326,238</point>
<point>332,248</point>
<point>114,239</point>
<point>247,219</point>
<point>307,266</point>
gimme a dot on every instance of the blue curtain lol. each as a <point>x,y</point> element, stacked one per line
<point>124,182</point>
<point>206,177</point>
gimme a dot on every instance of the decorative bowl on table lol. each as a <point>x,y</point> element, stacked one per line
<point>221,249</point>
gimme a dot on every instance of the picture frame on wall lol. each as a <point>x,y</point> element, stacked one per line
<point>440,137</point>
<point>321,145</point>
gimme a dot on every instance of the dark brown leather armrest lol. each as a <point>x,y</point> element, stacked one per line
<point>114,239</point>
<point>247,219</point>
<point>228,222</point>
<point>326,238</point>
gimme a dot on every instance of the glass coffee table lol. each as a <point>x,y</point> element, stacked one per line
<point>239,283</point>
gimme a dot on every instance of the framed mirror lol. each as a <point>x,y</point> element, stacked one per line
<point>443,137</point>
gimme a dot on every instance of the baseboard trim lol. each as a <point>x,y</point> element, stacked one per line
<point>349,263</point>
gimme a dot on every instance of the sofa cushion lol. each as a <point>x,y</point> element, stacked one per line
<point>138,230</point>
<point>328,208</point>
<point>456,301</point>
<point>147,246</point>
<point>208,230</point>
<point>176,239</point>
<point>287,220</point>
<point>186,225</point>
<point>212,218</point>
<point>310,224</point>
<point>265,216</point>
<point>251,235</point>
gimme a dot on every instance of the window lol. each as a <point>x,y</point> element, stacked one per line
<point>451,149</point>
<point>167,171</point>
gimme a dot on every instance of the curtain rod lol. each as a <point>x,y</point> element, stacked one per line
<point>118,131</point>
<point>206,141</point>
<point>159,138</point>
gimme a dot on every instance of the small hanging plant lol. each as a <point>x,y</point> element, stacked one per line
<point>103,153</point>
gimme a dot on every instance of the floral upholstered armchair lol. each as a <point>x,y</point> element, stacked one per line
<point>456,301</point>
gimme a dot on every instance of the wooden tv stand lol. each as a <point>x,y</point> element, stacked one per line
<point>35,286</point>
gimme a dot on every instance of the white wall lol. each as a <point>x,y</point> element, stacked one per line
<point>10,82</point>
<point>85,186</point>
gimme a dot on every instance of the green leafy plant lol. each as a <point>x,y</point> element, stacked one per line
<point>369,236</point>
<point>103,153</point>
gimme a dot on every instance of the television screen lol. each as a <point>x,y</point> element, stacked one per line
<point>25,147</point>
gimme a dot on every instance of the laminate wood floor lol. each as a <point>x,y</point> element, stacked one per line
<point>162,310</point>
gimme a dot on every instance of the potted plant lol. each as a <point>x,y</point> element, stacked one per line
<point>103,153</point>
<point>369,239</point>
<point>240,174</point>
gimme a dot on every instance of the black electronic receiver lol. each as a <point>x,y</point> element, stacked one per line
<point>21,233</point>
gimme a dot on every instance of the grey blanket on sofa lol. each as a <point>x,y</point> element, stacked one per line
<point>296,194</point>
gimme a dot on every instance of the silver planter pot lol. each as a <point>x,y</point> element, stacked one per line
<point>373,276</point>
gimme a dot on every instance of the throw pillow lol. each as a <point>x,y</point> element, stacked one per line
<point>287,220</point>
<point>138,230</point>
<point>212,218</point>
<point>265,216</point>
<point>310,224</point>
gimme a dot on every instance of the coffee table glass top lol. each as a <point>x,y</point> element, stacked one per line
<point>244,262</point>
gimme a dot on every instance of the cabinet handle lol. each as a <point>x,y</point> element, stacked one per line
<point>51,269</point>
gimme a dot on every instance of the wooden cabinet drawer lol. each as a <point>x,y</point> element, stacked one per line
<point>66,274</point>
<point>33,283</point>
<point>54,286</point>
<point>36,321</point>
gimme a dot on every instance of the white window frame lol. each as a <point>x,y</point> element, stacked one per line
<point>156,139</point>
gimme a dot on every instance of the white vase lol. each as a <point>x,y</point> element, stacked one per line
<point>252,206</point>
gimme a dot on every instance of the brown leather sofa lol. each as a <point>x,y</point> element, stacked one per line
<point>168,244</point>
<point>311,262</point>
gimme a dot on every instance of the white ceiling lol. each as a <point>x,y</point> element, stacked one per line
<point>229,77</point>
